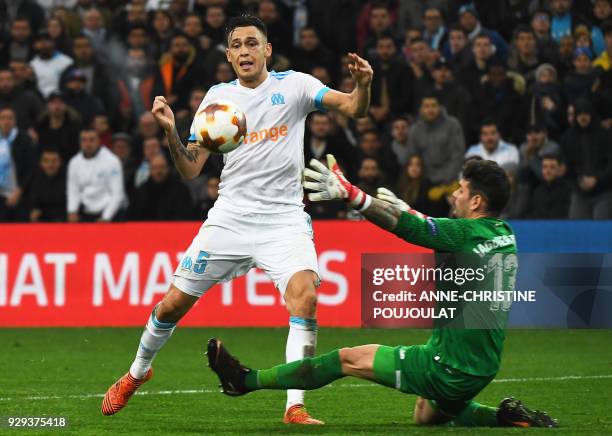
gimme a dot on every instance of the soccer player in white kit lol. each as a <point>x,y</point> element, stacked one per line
<point>258,219</point>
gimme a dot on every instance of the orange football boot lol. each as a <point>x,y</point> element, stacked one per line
<point>297,414</point>
<point>120,393</point>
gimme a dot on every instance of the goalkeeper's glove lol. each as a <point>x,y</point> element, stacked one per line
<point>389,197</point>
<point>385,195</point>
<point>328,183</point>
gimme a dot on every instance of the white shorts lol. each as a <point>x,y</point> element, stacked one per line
<point>229,244</point>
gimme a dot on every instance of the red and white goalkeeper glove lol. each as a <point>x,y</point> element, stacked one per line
<point>328,183</point>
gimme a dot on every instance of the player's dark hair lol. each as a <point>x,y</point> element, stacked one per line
<point>244,21</point>
<point>489,180</point>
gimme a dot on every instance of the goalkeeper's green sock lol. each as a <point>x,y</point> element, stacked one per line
<point>306,374</point>
<point>476,415</point>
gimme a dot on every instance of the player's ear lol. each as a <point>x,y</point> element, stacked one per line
<point>268,50</point>
<point>227,55</point>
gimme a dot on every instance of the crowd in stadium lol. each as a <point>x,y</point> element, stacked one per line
<point>526,83</point>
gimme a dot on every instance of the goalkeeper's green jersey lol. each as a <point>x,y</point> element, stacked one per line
<point>475,351</point>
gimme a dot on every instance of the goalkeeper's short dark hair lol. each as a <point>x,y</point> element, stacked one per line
<point>244,20</point>
<point>489,180</point>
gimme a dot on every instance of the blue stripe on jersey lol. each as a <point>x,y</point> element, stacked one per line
<point>281,75</point>
<point>233,82</point>
<point>192,137</point>
<point>318,101</point>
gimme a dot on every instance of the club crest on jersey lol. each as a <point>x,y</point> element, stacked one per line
<point>277,99</point>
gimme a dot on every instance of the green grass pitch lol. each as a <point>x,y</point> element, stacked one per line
<point>64,372</point>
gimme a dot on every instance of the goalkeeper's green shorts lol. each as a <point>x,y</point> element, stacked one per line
<point>413,369</point>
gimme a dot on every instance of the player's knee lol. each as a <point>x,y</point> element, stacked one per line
<point>347,360</point>
<point>302,300</point>
<point>169,311</point>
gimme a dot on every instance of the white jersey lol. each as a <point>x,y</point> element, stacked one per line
<point>264,174</point>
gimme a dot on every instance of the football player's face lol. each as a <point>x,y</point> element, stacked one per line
<point>462,201</point>
<point>247,52</point>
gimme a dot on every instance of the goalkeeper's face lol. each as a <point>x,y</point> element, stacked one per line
<point>247,52</point>
<point>464,203</point>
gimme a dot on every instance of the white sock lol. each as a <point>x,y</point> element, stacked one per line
<point>301,342</point>
<point>154,337</point>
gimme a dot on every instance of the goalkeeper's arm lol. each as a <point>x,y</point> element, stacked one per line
<point>389,213</point>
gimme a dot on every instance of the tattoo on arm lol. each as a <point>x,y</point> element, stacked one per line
<point>177,149</point>
<point>382,214</point>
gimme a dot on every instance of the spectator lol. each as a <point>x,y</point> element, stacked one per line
<point>602,12</point>
<point>379,24</point>
<point>469,20</point>
<point>438,138</point>
<point>121,146</point>
<point>321,140</point>
<point>563,21</point>
<point>24,76</point>
<point>30,10</point>
<point>525,57</point>
<point>482,51</point>
<point>163,29</point>
<point>77,97</point>
<point>147,128</point>
<point>413,185</point>
<point>102,126</point>
<point>59,127</point>
<point>214,24</point>
<point>581,81</point>
<point>451,95</point>
<point>185,118</point>
<point>163,197</point>
<point>497,99</point>
<point>47,194</point>
<point>492,147</point>
<point>98,80</point>
<point>419,56</point>
<point>532,152</point>
<point>136,86</point>
<point>370,145</point>
<point>95,182</point>
<point>18,46</point>
<point>150,149</point>
<point>435,32</point>
<point>603,62</point>
<point>279,33</point>
<point>392,85</point>
<point>457,49</point>
<point>179,72</point>
<point>311,52</point>
<point>551,198</point>
<point>48,64</point>
<point>318,72</point>
<point>93,28</point>
<point>589,164</point>
<point>546,105</point>
<point>58,33</point>
<point>369,177</point>
<point>540,25</point>
<point>137,37</point>
<point>26,105</point>
<point>16,164</point>
<point>212,193</point>
<point>399,140</point>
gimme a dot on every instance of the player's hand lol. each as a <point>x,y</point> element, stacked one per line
<point>329,183</point>
<point>163,114</point>
<point>360,70</point>
<point>389,197</point>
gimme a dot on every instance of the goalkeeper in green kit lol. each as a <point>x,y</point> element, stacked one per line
<point>456,363</point>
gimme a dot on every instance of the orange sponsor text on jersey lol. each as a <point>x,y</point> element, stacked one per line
<point>273,134</point>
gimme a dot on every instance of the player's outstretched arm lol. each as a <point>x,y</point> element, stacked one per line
<point>328,183</point>
<point>357,103</point>
<point>187,160</point>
